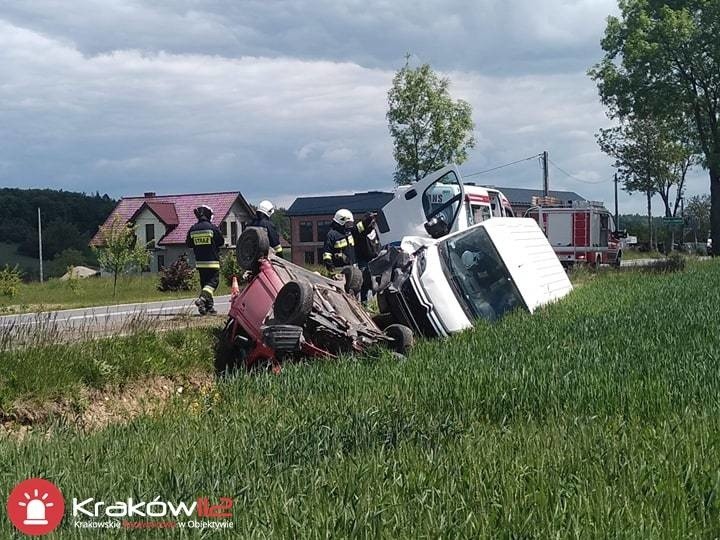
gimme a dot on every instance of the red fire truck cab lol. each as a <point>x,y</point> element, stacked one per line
<point>581,232</point>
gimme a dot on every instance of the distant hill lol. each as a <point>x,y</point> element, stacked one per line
<point>69,221</point>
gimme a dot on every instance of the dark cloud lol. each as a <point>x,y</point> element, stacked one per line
<point>488,36</point>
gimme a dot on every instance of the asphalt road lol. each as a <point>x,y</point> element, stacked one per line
<point>102,320</point>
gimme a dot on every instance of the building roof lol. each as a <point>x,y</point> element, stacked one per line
<point>523,196</point>
<point>175,211</point>
<point>368,201</point>
<point>164,211</point>
<point>374,200</point>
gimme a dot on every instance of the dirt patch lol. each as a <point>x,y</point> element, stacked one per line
<point>91,410</point>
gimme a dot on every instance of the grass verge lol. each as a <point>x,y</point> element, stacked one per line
<point>598,416</point>
<point>55,294</point>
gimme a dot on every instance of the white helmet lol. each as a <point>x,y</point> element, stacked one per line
<point>267,208</point>
<point>343,217</point>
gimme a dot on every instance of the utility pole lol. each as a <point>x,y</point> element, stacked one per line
<point>40,244</point>
<point>546,175</point>
<point>617,217</point>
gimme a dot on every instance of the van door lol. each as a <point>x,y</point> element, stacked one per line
<point>438,195</point>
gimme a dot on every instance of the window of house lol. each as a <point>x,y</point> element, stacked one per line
<point>150,234</point>
<point>306,231</point>
<point>323,227</point>
<point>309,257</point>
<point>223,228</point>
<point>233,232</point>
<point>161,261</point>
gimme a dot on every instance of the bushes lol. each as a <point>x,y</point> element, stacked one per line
<point>229,267</point>
<point>10,279</point>
<point>177,277</point>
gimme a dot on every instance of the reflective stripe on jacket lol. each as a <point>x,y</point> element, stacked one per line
<point>205,239</point>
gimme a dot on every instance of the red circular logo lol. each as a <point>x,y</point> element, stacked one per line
<point>36,506</point>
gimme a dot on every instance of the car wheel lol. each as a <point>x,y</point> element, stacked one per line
<point>226,352</point>
<point>353,279</point>
<point>252,246</point>
<point>294,303</point>
<point>402,338</point>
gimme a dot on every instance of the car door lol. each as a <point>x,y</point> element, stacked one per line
<point>438,195</point>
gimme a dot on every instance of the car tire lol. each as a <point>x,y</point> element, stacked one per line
<point>293,303</point>
<point>402,338</point>
<point>252,246</point>
<point>353,279</point>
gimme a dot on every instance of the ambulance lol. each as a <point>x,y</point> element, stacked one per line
<point>439,204</point>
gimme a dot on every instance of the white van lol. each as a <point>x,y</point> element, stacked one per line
<point>440,286</point>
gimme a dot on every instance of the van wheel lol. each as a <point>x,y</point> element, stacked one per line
<point>402,338</point>
<point>252,246</point>
<point>294,303</point>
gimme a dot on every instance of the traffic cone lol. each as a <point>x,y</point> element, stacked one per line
<point>235,289</point>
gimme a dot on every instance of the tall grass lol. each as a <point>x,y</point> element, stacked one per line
<point>598,417</point>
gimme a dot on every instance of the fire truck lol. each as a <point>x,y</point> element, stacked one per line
<point>579,232</point>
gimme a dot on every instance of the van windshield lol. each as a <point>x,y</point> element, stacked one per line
<point>478,276</point>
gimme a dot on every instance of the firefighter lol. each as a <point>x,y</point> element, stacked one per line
<point>339,247</point>
<point>205,239</point>
<point>262,219</point>
<point>367,247</point>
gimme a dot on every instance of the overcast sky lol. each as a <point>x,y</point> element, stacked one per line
<point>285,98</point>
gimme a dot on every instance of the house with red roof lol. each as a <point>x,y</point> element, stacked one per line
<point>162,221</point>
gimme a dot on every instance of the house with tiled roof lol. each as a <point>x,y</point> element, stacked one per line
<point>311,217</point>
<point>162,221</point>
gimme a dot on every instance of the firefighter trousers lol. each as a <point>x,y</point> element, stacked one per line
<point>209,281</point>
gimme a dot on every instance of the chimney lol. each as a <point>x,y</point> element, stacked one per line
<point>149,194</point>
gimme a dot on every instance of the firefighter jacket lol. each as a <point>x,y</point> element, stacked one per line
<point>261,220</point>
<point>205,239</point>
<point>339,247</point>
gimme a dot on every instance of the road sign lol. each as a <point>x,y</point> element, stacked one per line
<point>673,220</point>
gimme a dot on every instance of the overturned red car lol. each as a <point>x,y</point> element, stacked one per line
<point>287,312</point>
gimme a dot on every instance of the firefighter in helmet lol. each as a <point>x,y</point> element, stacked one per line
<point>205,239</point>
<point>262,219</point>
<point>339,247</point>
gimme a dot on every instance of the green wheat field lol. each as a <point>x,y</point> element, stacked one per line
<point>597,417</point>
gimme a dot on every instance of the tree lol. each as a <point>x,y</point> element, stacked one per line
<point>281,222</point>
<point>652,156</point>
<point>429,129</point>
<point>662,60</point>
<point>697,213</point>
<point>119,250</point>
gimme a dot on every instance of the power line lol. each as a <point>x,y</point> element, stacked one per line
<point>558,167</point>
<point>501,166</point>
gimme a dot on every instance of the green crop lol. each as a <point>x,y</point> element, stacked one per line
<point>597,417</point>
